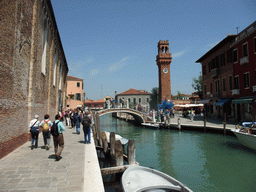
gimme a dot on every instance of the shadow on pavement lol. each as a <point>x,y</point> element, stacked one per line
<point>52,156</point>
<point>81,142</point>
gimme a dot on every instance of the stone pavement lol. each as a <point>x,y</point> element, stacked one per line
<point>199,121</point>
<point>37,170</point>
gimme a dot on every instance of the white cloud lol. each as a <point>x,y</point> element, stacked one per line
<point>117,66</point>
<point>178,54</point>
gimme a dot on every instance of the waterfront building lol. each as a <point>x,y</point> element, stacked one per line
<point>244,63</point>
<point>163,60</point>
<point>217,75</point>
<point>133,98</point>
<point>229,80</point>
<point>33,69</point>
<point>92,105</point>
<point>75,89</point>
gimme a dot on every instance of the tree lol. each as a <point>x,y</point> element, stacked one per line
<point>154,98</point>
<point>197,84</point>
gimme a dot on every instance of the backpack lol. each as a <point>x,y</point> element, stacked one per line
<point>86,122</point>
<point>54,129</point>
<point>46,126</point>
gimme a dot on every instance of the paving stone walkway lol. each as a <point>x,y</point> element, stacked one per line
<point>26,170</point>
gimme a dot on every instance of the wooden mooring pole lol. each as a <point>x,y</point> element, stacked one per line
<point>204,118</point>
<point>131,152</point>
<point>224,123</point>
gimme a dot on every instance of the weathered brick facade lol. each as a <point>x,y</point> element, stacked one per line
<point>163,60</point>
<point>30,50</point>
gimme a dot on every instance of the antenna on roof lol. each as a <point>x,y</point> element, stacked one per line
<point>101,91</point>
<point>237,29</point>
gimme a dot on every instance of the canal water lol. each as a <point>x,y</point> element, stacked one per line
<point>201,161</point>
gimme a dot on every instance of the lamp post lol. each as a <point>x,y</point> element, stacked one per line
<point>84,101</point>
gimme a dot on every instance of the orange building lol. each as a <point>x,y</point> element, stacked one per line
<point>74,94</point>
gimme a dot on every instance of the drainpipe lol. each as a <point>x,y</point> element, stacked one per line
<point>32,61</point>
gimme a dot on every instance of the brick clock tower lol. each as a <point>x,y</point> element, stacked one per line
<point>163,60</point>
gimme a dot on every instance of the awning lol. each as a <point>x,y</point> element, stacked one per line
<point>79,106</point>
<point>240,101</point>
<point>221,102</point>
<point>204,101</point>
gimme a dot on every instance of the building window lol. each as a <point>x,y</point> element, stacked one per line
<point>45,32</point>
<point>78,96</point>
<point>129,100</point>
<point>60,75</point>
<point>148,100</point>
<point>245,49</point>
<point>229,56</point>
<point>223,84</point>
<point>217,86</point>
<point>230,83</point>
<point>246,80</point>
<point>204,70</point>
<point>55,67</point>
<point>134,101</point>
<point>222,59</point>
<point>78,84</point>
<point>236,82</point>
<point>139,100</point>
<point>210,66</point>
<point>235,57</point>
<point>211,88</point>
<point>205,89</point>
<point>255,45</point>
<point>67,105</point>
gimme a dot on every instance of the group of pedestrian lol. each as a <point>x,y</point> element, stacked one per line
<point>56,129</point>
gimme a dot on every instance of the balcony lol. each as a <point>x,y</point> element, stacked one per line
<point>215,72</point>
<point>235,92</point>
<point>244,60</point>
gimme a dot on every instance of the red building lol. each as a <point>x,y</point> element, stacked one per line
<point>217,75</point>
<point>229,76</point>
<point>244,63</point>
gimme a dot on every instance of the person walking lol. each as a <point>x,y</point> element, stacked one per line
<point>86,122</point>
<point>34,130</point>
<point>46,125</point>
<point>58,139</point>
<point>77,122</point>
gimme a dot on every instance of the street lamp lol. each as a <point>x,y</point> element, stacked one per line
<point>84,100</point>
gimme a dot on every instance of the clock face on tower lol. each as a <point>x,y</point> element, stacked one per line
<point>165,70</point>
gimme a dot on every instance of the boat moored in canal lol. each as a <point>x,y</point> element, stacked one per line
<point>143,179</point>
<point>151,125</point>
<point>245,138</point>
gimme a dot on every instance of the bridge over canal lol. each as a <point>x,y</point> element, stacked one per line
<point>137,115</point>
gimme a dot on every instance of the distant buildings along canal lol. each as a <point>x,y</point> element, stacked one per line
<point>133,98</point>
<point>229,76</point>
<point>33,69</point>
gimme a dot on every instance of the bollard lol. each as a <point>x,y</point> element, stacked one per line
<point>179,124</point>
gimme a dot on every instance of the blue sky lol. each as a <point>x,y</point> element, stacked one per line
<point>112,44</point>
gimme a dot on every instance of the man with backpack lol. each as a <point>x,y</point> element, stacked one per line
<point>34,130</point>
<point>46,125</point>
<point>58,139</point>
<point>86,122</point>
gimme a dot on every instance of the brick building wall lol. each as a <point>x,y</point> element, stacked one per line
<point>26,89</point>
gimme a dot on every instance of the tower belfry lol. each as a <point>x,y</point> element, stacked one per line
<point>163,61</point>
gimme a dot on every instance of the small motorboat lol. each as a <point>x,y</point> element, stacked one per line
<point>151,125</point>
<point>123,140</point>
<point>245,138</point>
<point>143,179</point>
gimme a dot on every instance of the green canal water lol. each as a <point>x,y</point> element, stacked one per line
<point>202,161</point>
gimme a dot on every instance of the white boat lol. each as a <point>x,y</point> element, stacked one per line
<point>246,139</point>
<point>123,140</point>
<point>151,125</point>
<point>143,179</point>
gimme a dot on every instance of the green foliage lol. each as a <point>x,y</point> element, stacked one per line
<point>197,84</point>
<point>154,98</point>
